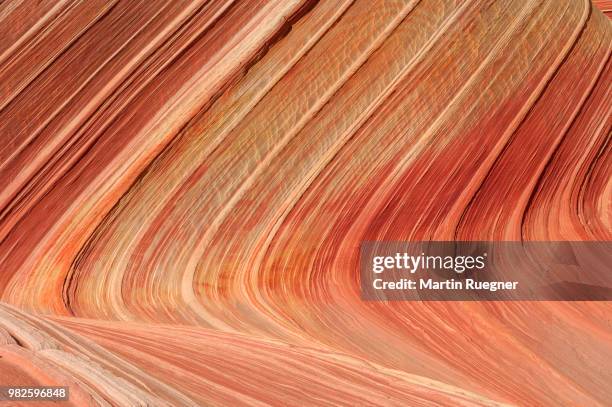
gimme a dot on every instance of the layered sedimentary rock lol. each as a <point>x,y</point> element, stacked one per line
<point>605,6</point>
<point>185,187</point>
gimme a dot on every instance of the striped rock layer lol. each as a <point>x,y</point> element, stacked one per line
<point>184,187</point>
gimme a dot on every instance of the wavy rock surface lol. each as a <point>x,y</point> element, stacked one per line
<point>185,186</point>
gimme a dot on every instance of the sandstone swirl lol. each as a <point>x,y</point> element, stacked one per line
<point>185,187</point>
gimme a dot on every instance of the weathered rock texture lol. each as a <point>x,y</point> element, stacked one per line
<point>184,186</point>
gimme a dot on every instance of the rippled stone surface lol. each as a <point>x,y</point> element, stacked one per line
<point>184,188</point>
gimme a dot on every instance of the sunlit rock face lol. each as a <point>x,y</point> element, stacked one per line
<point>184,188</point>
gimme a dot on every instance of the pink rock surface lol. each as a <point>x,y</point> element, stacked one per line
<point>185,187</point>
